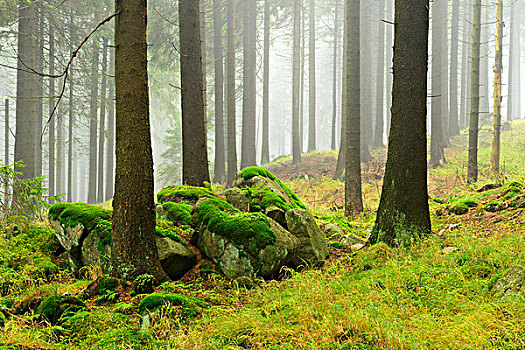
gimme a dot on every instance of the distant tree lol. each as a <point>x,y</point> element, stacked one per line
<point>380,81</point>
<point>110,162</point>
<point>335,70</point>
<point>71,171</point>
<point>296,100</point>
<point>102,125</point>
<point>220,160</point>
<point>453,124</point>
<point>403,215</point>
<point>133,249</point>
<point>230,93</point>
<point>39,91</point>
<point>351,58</point>
<point>312,105</point>
<point>498,68</point>
<point>514,88</point>
<point>472,173</point>
<point>465,65</point>
<point>93,124</point>
<point>194,148</point>
<point>265,152</point>
<point>389,53</point>
<point>51,120</point>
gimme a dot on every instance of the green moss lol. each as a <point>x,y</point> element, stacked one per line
<point>184,192</point>
<point>459,209</point>
<point>470,203</point>
<point>106,284</point>
<point>143,284</point>
<point>166,232</point>
<point>2,320</point>
<point>119,339</point>
<point>178,213</point>
<point>191,306</point>
<point>54,307</point>
<point>72,214</point>
<point>265,198</point>
<point>251,230</point>
<point>249,172</point>
<point>85,323</point>
<point>493,207</point>
<point>103,232</point>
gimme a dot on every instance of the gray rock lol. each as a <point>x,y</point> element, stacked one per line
<point>333,231</point>
<point>512,282</point>
<point>175,258</point>
<point>350,240</point>
<point>357,247</point>
<point>71,239</point>
<point>93,251</point>
<point>278,215</point>
<point>313,247</point>
<point>237,198</point>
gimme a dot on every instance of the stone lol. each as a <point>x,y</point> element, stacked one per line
<point>512,282</point>
<point>175,258</point>
<point>350,240</point>
<point>238,199</point>
<point>313,247</point>
<point>333,231</point>
<point>357,247</point>
<point>70,239</point>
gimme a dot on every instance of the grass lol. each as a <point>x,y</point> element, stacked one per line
<point>422,297</point>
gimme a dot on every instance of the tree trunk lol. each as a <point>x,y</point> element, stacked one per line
<point>389,53</point>
<point>472,175</point>
<point>335,74</point>
<point>453,124</point>
<point>70,168</point>
<point>230,93</point>
<point>366,82</point>
<point>60,147</point>
<point>514,93</point>
<point>220,161</point>
<point>133,249</point>
<point>498,68</point>
<point>25,139</point>
<point>465,65</point>
<point>93,125</point>
<point>248,153</point>
<point>39,93</point>
<point>485,67</point>
<point>51,106</point>
<point>444,76</point>
<point>312,105</point>
<point>194,147</point>
<point>379,123</point>
<point>353,194</point>
<point>265,153</point>
<point>296,119</point>
<point>110,163</point>
<point>6,132</point>
<point>102,128</point>
<point>403,215</point>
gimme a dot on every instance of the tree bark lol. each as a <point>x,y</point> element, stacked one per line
<point>353,194</point>
<point>366,83</point>
<point>93,125</point>
<point>25,138</point>
<point>248,153</point>
<point>312,105</point>
<point>39,93</point>
<point>265,152</point>
<point>389,53</point>
<point>403,215</point>
<point>453,124</point>
<point>195,170</point>
<point>220,160</point>
<point>380,86</point>
<point>110,162</point>
<point>472,174</point>
<point>70,167</point>
<point>230,93</point>
<point>335,71</point>
<point>498,68</point>
<point>133,249</point>
<point>465,65</point>
<point>51,106</point>
<point>296,99</point>
<point>102,127</point>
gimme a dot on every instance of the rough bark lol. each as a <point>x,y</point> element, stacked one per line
<point>353,194</point>
<point>498,68</point>
<point>194,147</point>
<point>265,152</point>
<point>389,54</point>
<point>403,215</point>
<point>133,250</point>
<point>110,160</point>
<point>472,174</point>
<point>380,85</point>
<point>230,94</point>
<point>93,124</point>
<point>296,99</point>
<point>220,160</point>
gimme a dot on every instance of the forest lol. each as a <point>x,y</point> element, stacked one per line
<point>262,174</point>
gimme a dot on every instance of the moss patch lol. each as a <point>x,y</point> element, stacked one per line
<point>191,193</point>
<point>251,230</point>
<point>248,173</point>
<point>191,306</point>
<point>72,214</point>
<point>54,307</point>
<point>178,213</point>
<point>265,198</point>
<point>119,339</point>
<point>459,209</point>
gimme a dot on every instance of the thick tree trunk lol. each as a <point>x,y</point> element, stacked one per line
<point>102,127</point>
<point>403,215</point>
<point>472,175</point>
<point>110,162</point>
<point>230,93</point>
<point>353,194</point>
<point>312,105</point>
<point>380,86</point>
<point>93,125</point>
<point>248,153</point>
<point>194,147</point>
<point>25,138</point>
<point>389,54</point>
<point>498,68</point>
<point>366,82</point>
<point>220,160</point>
<point>296,99</point>
<point>453,123</point>
<point>335,74</point>
<point>133,249</point>
<point>465,66</point>
<point>265,153</point>
<point>51,106</point>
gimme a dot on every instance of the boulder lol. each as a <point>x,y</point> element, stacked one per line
<point>238,199</point>
<point>512,282</point>
<point>184,194</point>
<point>350,240</point>
<point>333,231</point>
<point>175,258</point>
<point>52,308</point>
<point>312,244</point>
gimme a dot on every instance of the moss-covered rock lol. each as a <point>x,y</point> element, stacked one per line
<point>313,247</point>
<point>238,198</point>
<point>175,258</point>
<point>144,284</point>
<point>459,209</point>
<point>54,307</point>
<point>189,306</point>
<point>184,194</point>
<point>84,323</point>
<point>494,207</point>
<point>512,282</point>
<point>119,339</point>
<point>178,213</point>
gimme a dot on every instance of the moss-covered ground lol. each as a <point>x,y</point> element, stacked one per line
<point>423,297</point>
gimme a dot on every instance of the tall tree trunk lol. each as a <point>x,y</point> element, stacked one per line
<point>498,68</point>
<point>296,99</point>
<point>353,194</point>
<point>444,75</point>
<point>312,105</point>
<point>403,215</point>
<point>6,132</point>
<point>514,93</point>
<point>93,125</point>
<point>265,153</point>
<point>51,106</point>
<point>133,249</point>
<point>71,141</point>
<point>301,74</point>
<point>230,93</point>
<point>195,170</point>
<point>335,72</point>
<point>248,153</point>
<point>366,82</point>
<point>472,175</point>
<point>202,21</point>
<point>436,142</point>
<point>465,65</point>
<point>453,123</point>
<point>389,54</point>
<point>485,66</point>
<point>380,86</point>
<point>220,161</point>
<point>341,157</point>
<point>60,148</point>
<point>39,93</point>
<point>102,128</point>
<point>110,163</point>
<point>25,90</point>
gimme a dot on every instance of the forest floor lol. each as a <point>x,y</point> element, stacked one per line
<point>438,294</point>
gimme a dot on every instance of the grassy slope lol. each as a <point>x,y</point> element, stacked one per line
<point>420,298</point>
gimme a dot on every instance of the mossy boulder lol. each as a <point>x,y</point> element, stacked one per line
<point>459,209</point>
<point>238,198</point>
<point>494,207</point>
<point>54,307</point>
<point>183,194</point>
<point>178,213</point>
<point>241,244</point>
<point>119,339</point>
<point>333,231</point>
<point>175,258</point>
<point>313,247</point>
<point>144,284</point>
<point>512,282</point>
